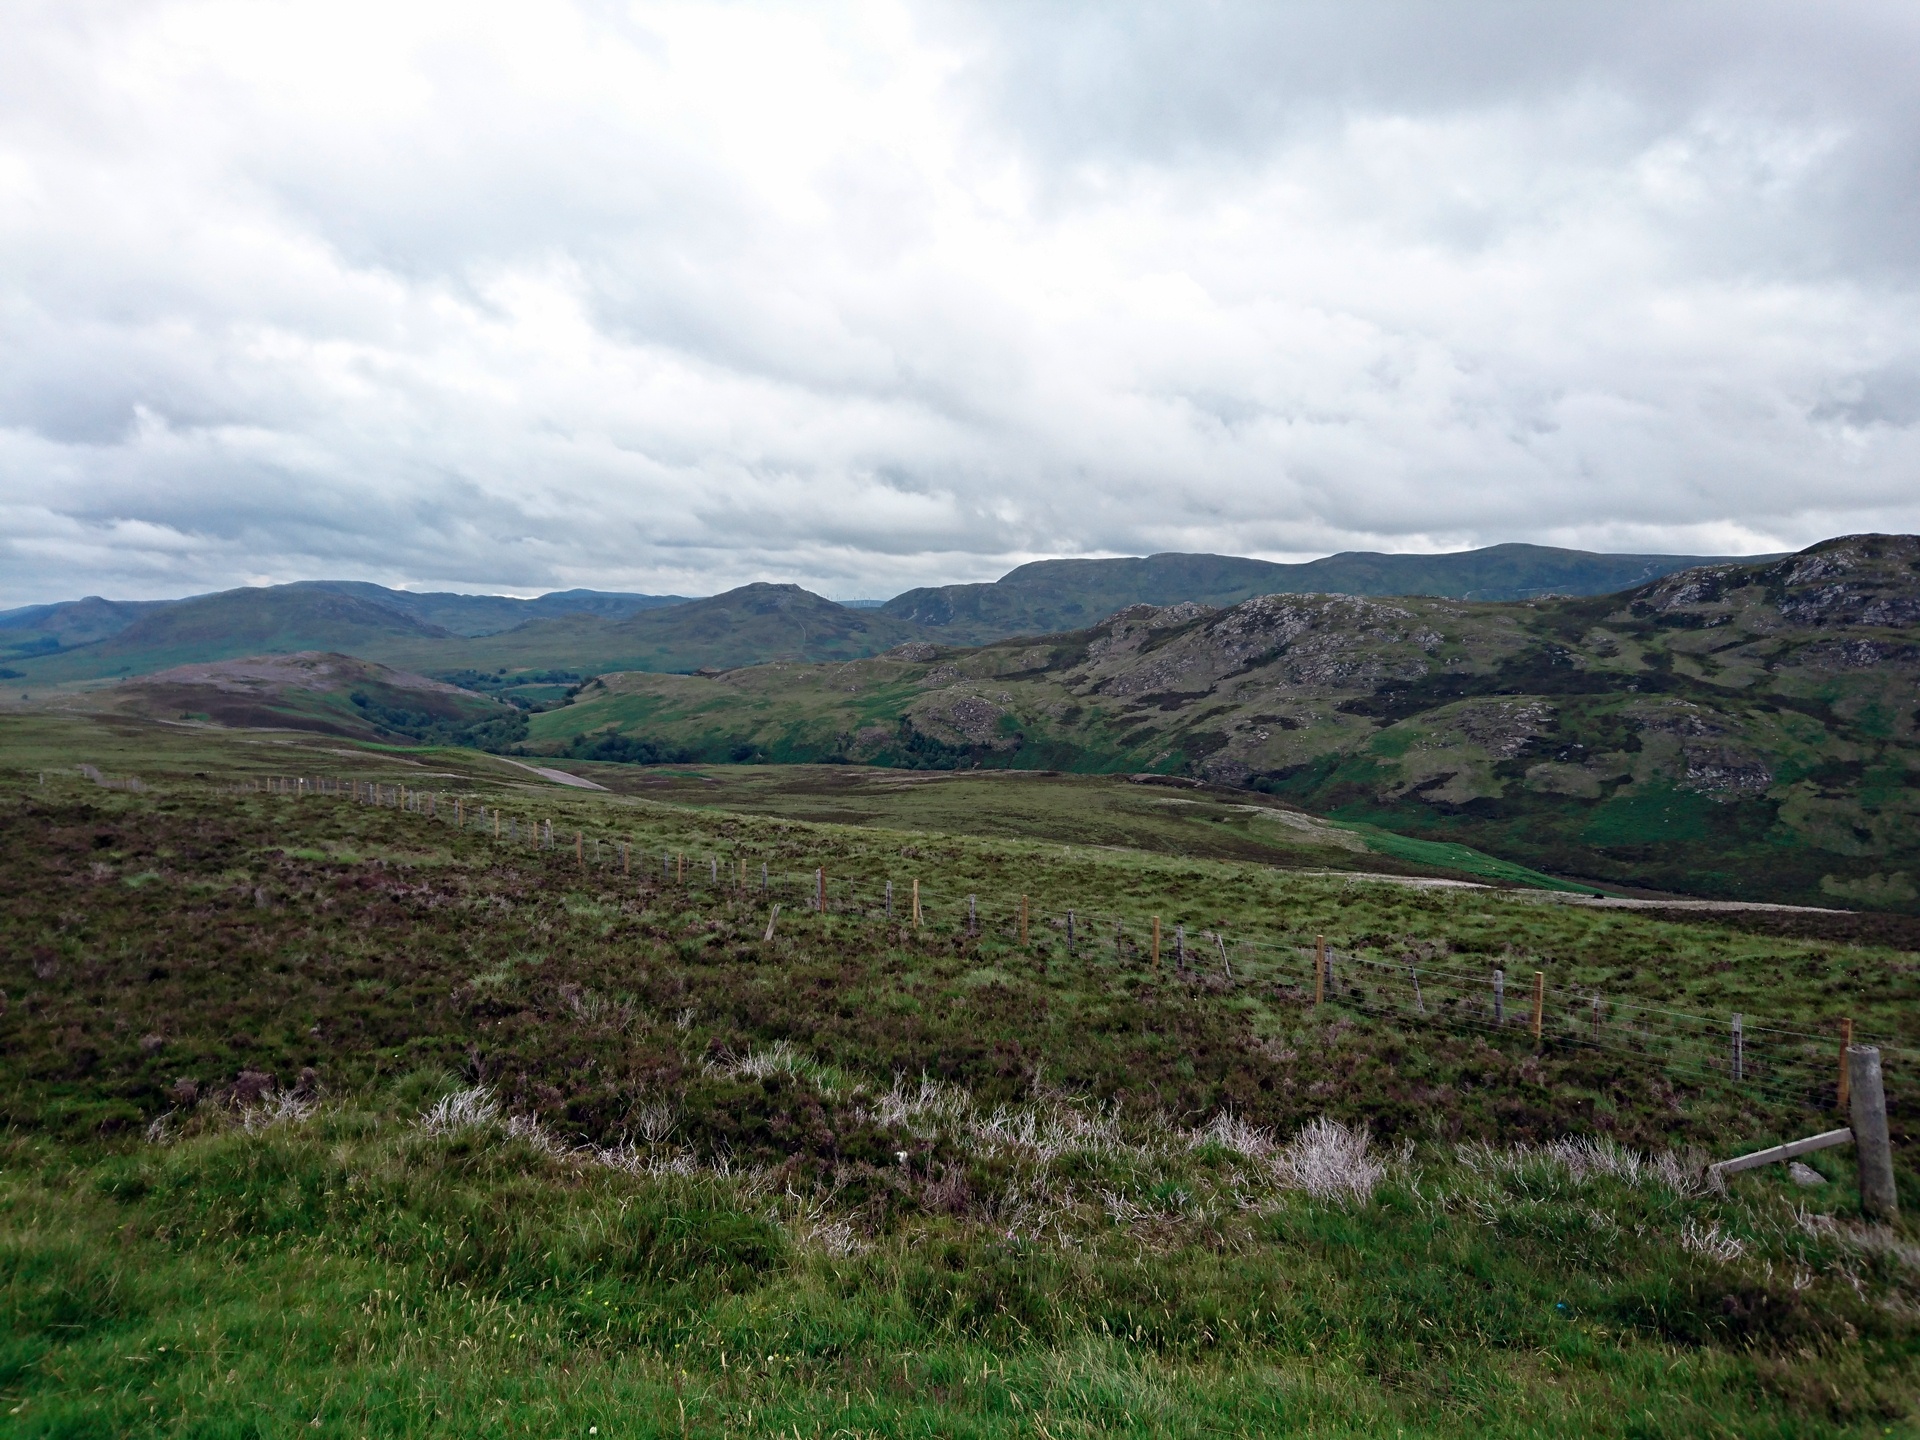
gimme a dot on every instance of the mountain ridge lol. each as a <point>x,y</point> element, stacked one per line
<point>1731,730</point>
<point>579,630</point>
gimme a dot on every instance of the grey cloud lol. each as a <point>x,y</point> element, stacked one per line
<point>1270,279</point>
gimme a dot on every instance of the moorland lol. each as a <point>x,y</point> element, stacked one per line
<point>371,1088</point>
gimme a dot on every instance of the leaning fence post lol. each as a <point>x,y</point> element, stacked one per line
<point>1220,940</point>
<point>1739,1050</point>
<point>1846,1044</point>
<point>1419,1005</point>
<point>1868,1111</point>
<point>1539,1002</point>
<point>1499,997</point>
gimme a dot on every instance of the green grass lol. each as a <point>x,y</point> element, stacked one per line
<point>681,1206</point>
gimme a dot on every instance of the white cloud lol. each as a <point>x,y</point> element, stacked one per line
<point>674,297</point>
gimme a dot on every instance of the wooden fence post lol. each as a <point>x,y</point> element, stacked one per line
<point>972,911</point>
<point>580,847</point>
<point>496,825</point>
<point>1499,997</point>
<point>1419,1005</point>
<point>765,887</point>
<point>889,902</point>
<point>1596,1017</point>
<point>1739,1050</point>
<point>916,904</point>
<point>1220,940</point>
<point>1156,942</point>
<point>1180,947</point>
<point>1069,934</point>
<point>1868,1111</point>
<point>1539,1002</point>
<point>1846,1043</point>
<point>820,889</point>
<point>1319,969</point>
<point>713,866</point>
<point>1023,919</point>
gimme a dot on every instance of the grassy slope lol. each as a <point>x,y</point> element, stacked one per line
<point>355,1269</point>
<point>1746,733</point>
<point>333,694</point>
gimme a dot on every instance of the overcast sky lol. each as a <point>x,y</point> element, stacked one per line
<point>670,298</point>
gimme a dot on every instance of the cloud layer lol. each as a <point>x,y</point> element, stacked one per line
<point>675,297</point>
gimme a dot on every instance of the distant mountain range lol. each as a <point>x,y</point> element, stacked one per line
<point>587,631</point>
<point>1054,595</point>
<point>1743,730</point>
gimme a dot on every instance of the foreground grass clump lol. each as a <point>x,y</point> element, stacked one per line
<point>461,1272</point>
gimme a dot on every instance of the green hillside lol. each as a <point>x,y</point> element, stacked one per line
<point>1739,730</point>
<point>1056,595</point>
<point>234,624</point>
<point>747,626</point>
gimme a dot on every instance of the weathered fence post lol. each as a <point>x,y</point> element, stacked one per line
<point>1596,1017</point>
<point>1499,997</point>
<point>1539,1002</point>
<point>1868,1110</point>
<point>1319,969</point>
<point>916,904</point>
<point>1180,948</point>
<point>1220,940</point>
<point>580,847</point>
<point>889,902</point>
<point>1069,934</point>
<point>970,914</point>
<point>1419,1005</point>
<point>1023,919</point>
<point>1156,942</point>
<point>820,889</point>
<point>1846,1044</point>
<point>1739,1050</point>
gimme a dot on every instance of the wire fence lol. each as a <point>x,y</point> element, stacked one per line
<point>1790,1066</point>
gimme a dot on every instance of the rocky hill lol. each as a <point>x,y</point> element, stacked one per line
<point>1735,729</point>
